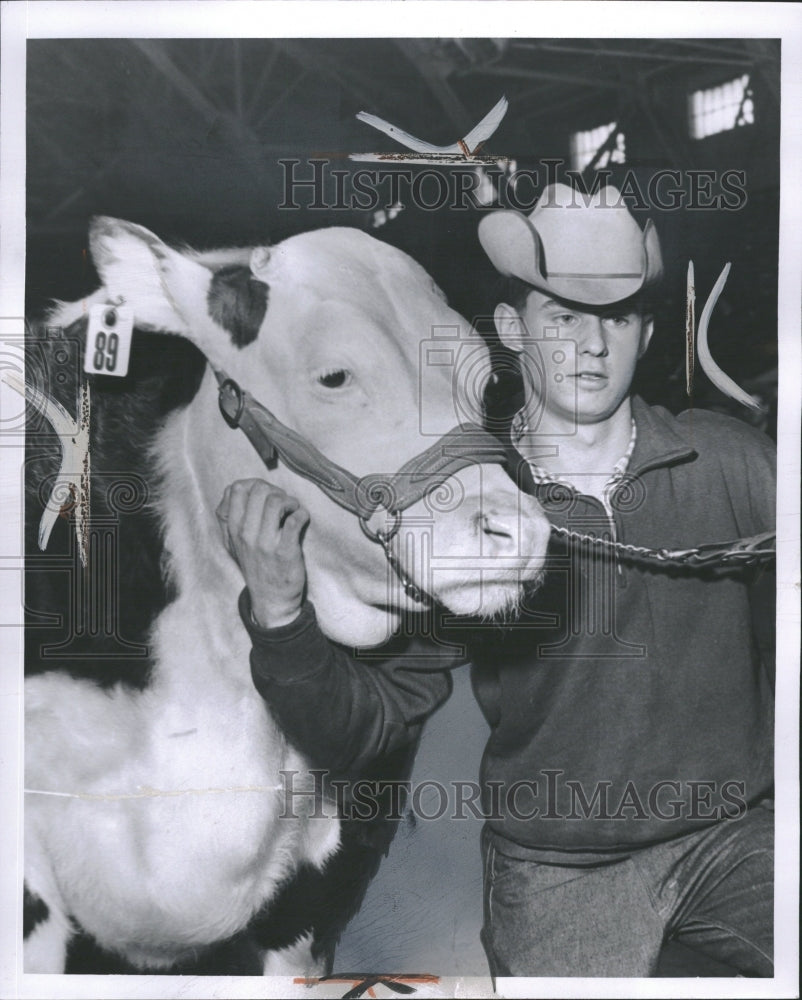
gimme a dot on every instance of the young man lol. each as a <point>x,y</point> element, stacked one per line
<point>627,780</point>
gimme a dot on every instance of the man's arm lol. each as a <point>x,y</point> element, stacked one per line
<point>338,708</point>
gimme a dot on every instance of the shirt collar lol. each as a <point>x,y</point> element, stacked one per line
<point>661,439</point>
<point>541,475</point>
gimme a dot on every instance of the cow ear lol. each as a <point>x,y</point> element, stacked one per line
<point>166,289</point>
<point>127,259</point>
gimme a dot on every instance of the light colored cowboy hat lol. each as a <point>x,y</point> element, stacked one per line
<point>586,249</point>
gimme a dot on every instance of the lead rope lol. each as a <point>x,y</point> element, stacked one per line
<point>742,551</point>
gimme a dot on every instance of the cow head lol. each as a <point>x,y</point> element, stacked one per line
<point>350,343</point>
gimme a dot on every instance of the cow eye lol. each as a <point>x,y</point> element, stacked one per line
<point>334,379</point>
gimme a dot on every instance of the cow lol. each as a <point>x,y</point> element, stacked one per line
<point>154,826</point>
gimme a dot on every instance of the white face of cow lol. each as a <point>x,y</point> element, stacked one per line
<point>340,355</point>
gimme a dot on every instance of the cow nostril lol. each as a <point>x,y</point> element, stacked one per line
<point>490,524</point>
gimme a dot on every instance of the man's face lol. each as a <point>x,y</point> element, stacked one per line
<point>583,357</point>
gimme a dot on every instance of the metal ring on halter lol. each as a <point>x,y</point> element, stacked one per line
<point>383,537</point>
<point>231,385</point>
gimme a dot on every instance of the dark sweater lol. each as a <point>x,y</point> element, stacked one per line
<point>629,703</point>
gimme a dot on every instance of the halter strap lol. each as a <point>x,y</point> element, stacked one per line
<point>464,445</point>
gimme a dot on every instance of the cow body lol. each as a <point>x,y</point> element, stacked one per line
<point>154,811</point>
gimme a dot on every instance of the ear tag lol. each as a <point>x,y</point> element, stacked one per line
<point>108,340</point>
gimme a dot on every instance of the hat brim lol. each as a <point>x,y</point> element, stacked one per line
<point>513,245</point>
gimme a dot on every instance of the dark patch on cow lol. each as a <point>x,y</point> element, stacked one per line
<point>34,911</point>
<point>238,302</point>
<point>323,902</point>
<point>63,633</point>
<point>236,956</point>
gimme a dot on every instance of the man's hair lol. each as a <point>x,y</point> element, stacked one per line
<point>514,291</point>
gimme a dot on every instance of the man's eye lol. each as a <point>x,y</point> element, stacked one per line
<point>616,320</point>
<point>336,378</point>
<point>566,319</point>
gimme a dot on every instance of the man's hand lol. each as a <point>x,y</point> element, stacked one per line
<point>261,527</point>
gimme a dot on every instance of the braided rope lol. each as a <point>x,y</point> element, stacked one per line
<point>743,551</point>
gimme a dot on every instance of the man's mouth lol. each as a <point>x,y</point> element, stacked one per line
<point>590,379</point>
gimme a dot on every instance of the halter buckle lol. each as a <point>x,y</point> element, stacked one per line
<point>231,401</point>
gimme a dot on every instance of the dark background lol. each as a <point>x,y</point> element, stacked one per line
<point>185,135</point>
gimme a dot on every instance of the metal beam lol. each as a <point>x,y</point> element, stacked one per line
<point>237,53</point>
<point>702,45</point>
<point>252,149</point>
<point>442,90</point>
<point>302,75</point>
<point>651,56</point>
<point>157,55</point>
<point>609,144</point>
<point>676,147</point>
<point>515,73</point>
<point>324,65</point>
<point>547,111</point>
<point>258,89</point>
<point>55,152</point>
<point>768,65</point>
<point>155,52</point>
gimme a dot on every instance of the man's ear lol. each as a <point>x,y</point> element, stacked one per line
<point>509,327</point>
<point>647,329</point>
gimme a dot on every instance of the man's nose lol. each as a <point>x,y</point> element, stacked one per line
<point>591,339</point>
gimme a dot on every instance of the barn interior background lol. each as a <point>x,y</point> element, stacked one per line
<point>185,137</point>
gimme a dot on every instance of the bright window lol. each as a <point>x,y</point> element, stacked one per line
<point>584,146</point>
<point>720,109</point>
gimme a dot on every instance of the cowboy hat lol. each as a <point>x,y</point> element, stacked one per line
<point>584,248</point>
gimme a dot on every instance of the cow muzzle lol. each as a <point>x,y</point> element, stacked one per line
<point>474,542</point>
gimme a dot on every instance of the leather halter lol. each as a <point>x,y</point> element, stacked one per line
<point>464,445</point>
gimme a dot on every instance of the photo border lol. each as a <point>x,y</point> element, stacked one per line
<point>414,18</point>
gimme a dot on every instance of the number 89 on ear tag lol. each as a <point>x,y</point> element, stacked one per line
<point>108,340</point>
